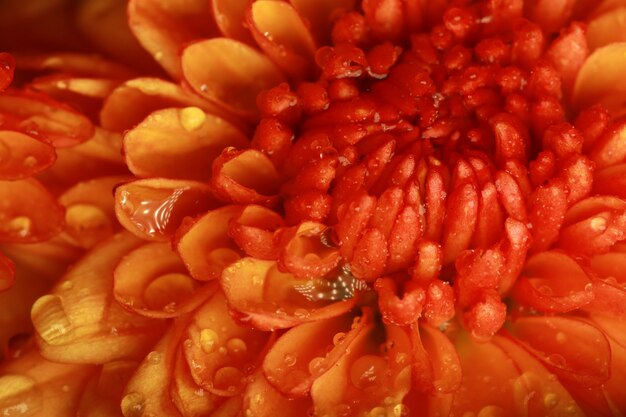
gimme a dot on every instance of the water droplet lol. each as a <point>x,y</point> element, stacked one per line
<point>67,285</point>
<point>290,359</point>
<point>133,404</point>
<point>19,396</point>
<point>20,226</point>
<point>154,357</point>
<point>228,378</point>
<point>192,118</point>
<point>30,161</point>
<point>491,411</point>
<point>316,366</point>
<point>598,224</point>
<point>65,388</point>
<point>208,340</point>
<point>236,346</point>
<point>301,313</point>
<point>550,400</point>
<point>158,55</point>
<point>561,337</point>
<point>368,371</point>
<point>343,410</point>
<point>339,338</point>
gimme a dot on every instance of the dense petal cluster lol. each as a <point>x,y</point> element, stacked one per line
<point>328,208</point>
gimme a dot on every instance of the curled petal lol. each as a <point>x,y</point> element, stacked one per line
<point>573,349</point>
<point>38,115</point>
<point>79,322</point>
<point>370,255</point>
<point>204,245</point>
<point>190,399</point>
<point>154,208</point>
<point>7,68</point>
<point>245,177</point>
<point>152,281</point>
<point>228,73</point>
<point>23,156</point>
<point>179,143</point>
<point>89,213</point>
<point>221,353</point>
<point>271,299</point>
<point>133,101</point>
<point>29,212</point>
<point>302,354</point>
<point>282,34</point>
<point>551,15</point>
<point>553,282</point>
<point>461,218</point>
<point>305,255</point>
<point>163,28</point>
<point>598,81</point>
<point>254,230</point>
<point>400,311</point>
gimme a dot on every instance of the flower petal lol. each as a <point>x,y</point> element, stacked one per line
<point>553,282</point>
<point>549,14</point>
<point>229,16</point>
<point>7,68</point>
<point>80,323</point>
<point>282,34</point>
<point>103,392</point>
<point>133,101</point>
<point>321,14</point>
<point>305,255</point>
<point>151,280</point>
<point>23,156</point>
<point>572,349</point>
<point>606,28</point>
<point>29,212</point>
<point>254,230</point>
<point>611,181</point>
<point>7,272</point>
<point>154,208</point>
<point>271,299</point>
<point>179,143</point>
<point>36,114</point>
<point>190,399</point>
<point>89,210</point>
<point>229,73</point>
<point>204,246</point>
<point>163,28</point>
<point>436,366</point>
<point>261,399</point>
<point>220,352</point>
<point>599,79</point>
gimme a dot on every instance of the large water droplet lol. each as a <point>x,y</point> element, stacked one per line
<point>228,378</point>
<point>236,346</point>
<point>368,371</point>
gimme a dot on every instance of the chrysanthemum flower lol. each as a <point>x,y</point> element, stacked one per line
<point>323,208</point>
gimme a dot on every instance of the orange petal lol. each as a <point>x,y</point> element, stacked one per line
<point>305,255</point>
<point>599,79</point>
<point>221,353</point>
<point>204,245</point>
<point>271,299</point>
<point>436,366</point>
<point>245,177</point>
<point>80,323</point>
<point>80,65</point>
<point>7,68</point>
<point>553,282</point>
<point>36,114</point>
<point>23,155</point>
<point>229,73</point>
<point>33,386</point>
<point>105,24</point>
<point>283,36</point>
<point>179,143</point>
<point>89,210</point>
<point>29,212</point>
<point>321,14</point>
<point>261,399</point>
<point>103,392</point>
<point>190,399</point>
<point>154,208</point>
<point>133,101</point>
<point>536,391</point>
<point>229,16</point>
<point>606,28</point>
<point>152,281</point>
<point>163,28</point>
<point>301,354</point>
<point>254,230</point>
<point>572,349</point>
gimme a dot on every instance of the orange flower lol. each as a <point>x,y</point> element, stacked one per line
<point>327,208</point>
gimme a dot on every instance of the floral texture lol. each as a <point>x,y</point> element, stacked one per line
<point>324,208</point>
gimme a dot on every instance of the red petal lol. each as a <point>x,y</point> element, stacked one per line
<point>7,67</point>
<point>572,349</point>
<point>154,208</point>
<point>214,70</point>
<point>7,272</point>
<point>321,14</point>
<point>29,213</point>
<point>568,53</point>
<point>271,299</point>
<point>605,28</point>
<point>548,205</point>
<point>610,149</point>
<point>179,143</point>
<point>283,36</point>
<point>254,230</point>
<point>553,282</point>
<point>23,156</point>
<point>219,352</point>
<point>436,366</point>
<point>204,246</point>
<point>551,15</point>
<point>461,218</point>
<point>81,65</point>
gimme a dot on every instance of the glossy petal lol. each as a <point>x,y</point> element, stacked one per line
<point>305,255</point>
<point>29,213</point>
<point>204,246</point>
<point>23,156</point>
<point>154,208</point>
<point>213,69</point>
<point>229,17</point>
<point>179,143</point>
<point>7,68</point>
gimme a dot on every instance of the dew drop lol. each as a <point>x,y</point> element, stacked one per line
<point>316,366</point>
<point>290,359</point>
<point>236,346</point>
<point>598,224</point>
<point>339,338</point>
<point>29,161</point>
<point>367,371</point>
<point>154,357</point>
<point>20,226</point>
<point>208,340</point>
<point>133,404</point>
<point>228,378</point>
<point>550,400</point>
<point>192,118</point>
<point>561,337</point>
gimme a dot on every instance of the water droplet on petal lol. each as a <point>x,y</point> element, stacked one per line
<point>154,357</point>
<point>20,226</point>
<point>236,346</point>
<point>192,118</point>
<point>133,404</point>
<point>228,378</point>
<point>290,359</point>
<point>550,400</point>
<point>368,371</point>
